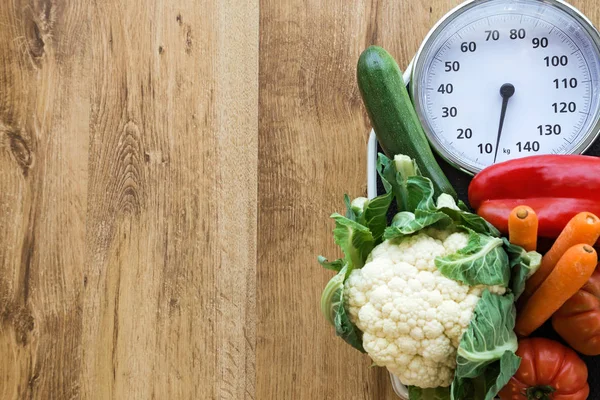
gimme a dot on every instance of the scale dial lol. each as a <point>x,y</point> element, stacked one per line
<point>503,79</point>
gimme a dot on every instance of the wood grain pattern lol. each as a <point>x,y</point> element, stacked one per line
<point>44,105</point>
<point>127,129</point>
<point>167,169</point>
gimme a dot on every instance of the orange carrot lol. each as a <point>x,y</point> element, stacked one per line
<point>571,273</point>
<point>523,227</point>
<point>584,228</point>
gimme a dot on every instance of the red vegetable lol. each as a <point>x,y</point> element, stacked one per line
<point>553,213</point>
<point>549,176</point>
<point>548,371</point>
<point>578,320</point>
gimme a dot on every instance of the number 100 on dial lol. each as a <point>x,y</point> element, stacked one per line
<point>500,79</point>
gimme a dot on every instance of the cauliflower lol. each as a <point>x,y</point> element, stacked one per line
<point>433,287</point>
<point>411,316</point>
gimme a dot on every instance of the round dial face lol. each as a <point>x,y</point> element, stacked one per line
<point>505,79</point>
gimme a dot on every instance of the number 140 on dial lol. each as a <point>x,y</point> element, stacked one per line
<point>496,84</point>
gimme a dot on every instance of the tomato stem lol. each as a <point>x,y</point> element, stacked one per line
<point>539,393</point>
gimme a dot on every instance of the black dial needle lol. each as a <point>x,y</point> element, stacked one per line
<point>506,91</point>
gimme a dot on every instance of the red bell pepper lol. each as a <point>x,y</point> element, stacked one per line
<point>553,213</point>
<point>549,176</point>
<point>556,187</point>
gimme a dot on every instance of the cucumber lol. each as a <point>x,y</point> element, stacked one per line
<point>393,115</point>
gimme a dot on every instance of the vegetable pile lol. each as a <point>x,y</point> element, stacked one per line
<point>431,296</point>
<point>437,295</point>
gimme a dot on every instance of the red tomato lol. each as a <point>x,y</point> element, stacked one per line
<point>578,320</point>
<point>548,371</point>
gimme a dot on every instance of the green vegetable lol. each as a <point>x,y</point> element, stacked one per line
<point>330,298</point>
<point>497,376</point>
<point>336,265</point>
<point>407,223</point>
<point>489,336</point>
<point>332,307</point>
<point>479,263</point>
<point>376,215</point>
<point>489,339</point>
<point>372,214</point>
<point>394,175</point>
<point>393,116</point>
<point>369,213</point>
<point>484,387</point>
<point>355,240</point>
<point>414,195</point>
<point>357,207</point>
<point>523,265</point>
<point>462,216</point>
<point>356,234</point>
<point>489,384</point>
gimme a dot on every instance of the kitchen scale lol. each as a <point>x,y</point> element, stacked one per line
<point>496,80</point>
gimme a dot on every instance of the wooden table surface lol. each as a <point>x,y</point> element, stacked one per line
<point>167,169</point>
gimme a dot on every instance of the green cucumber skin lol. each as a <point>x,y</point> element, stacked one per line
<point>393,116</point>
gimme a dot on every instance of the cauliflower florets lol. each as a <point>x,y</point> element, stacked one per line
<point>411,316</point>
